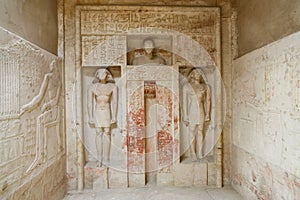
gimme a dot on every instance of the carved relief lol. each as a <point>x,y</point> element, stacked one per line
<point>151,104</point>
<point>11,146</point>
<point>49,94</point>
<point>104,50</point>
<point>30,114</point>
<point>10,85</point>
<point>110,22</point>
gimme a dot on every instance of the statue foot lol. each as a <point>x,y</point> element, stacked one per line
<point>194,158</point>
<point>99,164</point>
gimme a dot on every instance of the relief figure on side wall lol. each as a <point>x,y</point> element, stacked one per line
<point>150,56</point>
<point>102,111</point>
<point>49,94</point>
<point>196,111</point>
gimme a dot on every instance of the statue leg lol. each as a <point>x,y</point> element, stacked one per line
<point>106,145</point>
<point>39,143</point>
<point>99,145</point>
<point>192,140</point>
<point>199,141</point>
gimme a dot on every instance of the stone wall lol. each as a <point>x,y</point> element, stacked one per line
<point>280,18</point>
<point>266,118</point>
<point>32,142</point>
<point>33,20</point>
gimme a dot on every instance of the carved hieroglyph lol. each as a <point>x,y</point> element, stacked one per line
<point>105,36</point>
<point>10,85</point>
<point>103,50</point>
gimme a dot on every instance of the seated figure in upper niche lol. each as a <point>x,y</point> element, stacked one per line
<point>150,57</point>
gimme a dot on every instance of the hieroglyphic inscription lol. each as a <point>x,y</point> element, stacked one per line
<point>30,140</point>
<point>111,21</point>
<point>11,145</point>
<point>103,50</point>
<point>9,86</point>
<point>31,75</point>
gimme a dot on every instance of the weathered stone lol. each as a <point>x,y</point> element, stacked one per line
<point>165,179</point>
<point>117,179</point>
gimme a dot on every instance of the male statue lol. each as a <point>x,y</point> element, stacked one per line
<point>150,56</point>
<point>102,111</point>
<point>196,110</point>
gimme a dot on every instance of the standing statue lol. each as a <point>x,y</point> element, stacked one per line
<point>150,56</point>
<point>196,110</point>
<point>102,111</point>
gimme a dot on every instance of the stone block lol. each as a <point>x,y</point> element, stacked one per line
<point>117,179</point>
<point>211,174</point>
<point>165,179</point>
<point>136,180</point>
<point>95,177</point>
<point>191,174</point>
<point>183,174</point>
<point>200,174</point>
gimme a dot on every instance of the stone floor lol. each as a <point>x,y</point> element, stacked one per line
<point>159,193</point>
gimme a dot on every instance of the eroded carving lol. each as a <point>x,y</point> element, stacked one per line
<point>102,111</point>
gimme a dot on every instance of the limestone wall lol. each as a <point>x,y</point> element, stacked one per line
<point>262,22</point>
<point>32,143</point>
<point>266,118</point>
<point>33,20</point>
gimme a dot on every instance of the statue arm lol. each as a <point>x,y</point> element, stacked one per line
<point>185,117</point>
<point>114,104</point>
<point>208,103</point>
<point>38,98</point>
<point>55,100</point>
<point>90,104</point>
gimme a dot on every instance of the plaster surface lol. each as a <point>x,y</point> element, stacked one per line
<point>262,22</point>
<point>266,119</point>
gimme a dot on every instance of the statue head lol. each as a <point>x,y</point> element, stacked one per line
<point>103,74</point>
<point>54,64</point>
<point>196,76</point>
<point>148,45</point>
